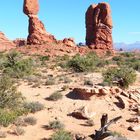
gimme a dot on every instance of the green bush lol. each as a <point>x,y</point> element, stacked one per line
<point>133,63</point>
<point>7,117</point>
<point>30,120</point>
<point>128,54</point>
<point>61,135</point>
<point>128,59</point>
<point>103,63</point>
<point>43,59</point>
<point>88,82</point>
<point>33,106</point>
<point>55,96</point>
<point>50,81</point>
<point>117,58</point>
<point>118,135</point>
<point>18,131</point>
<point>56,125</point>
<point>16,66</point>
<point>84,63</point>
<point>124,76</point>
<point>19,122</point>
<point>9,96</point>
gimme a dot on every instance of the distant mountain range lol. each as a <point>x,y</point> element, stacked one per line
<point>127,47</point>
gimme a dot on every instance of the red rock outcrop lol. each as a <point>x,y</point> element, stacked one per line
<point>37,32</point>
<point>99,27</point>
<point>20,42</point>
<point>5,43</point>
<point>69,42</point>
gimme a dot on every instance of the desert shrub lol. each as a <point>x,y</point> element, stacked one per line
<point>127,54</point>
<point>58,59</point>
<point>30,120</point>
<point>16,66</point>
<point>103,63</point>
<point>43,59</point>
<point>65,87</point>
<point>84,63</point>
<point>55,96</point>
<point>118,59</point>
<point>124,76</point>
<point>88,82</point>
<point>50,81</point>
<point>118,135</point>
<point>7,117</point>
<point>55,125</point>
<point>33,106</point>
<point>61,135</point>
<point>32,78</point>
<point>2,60</point>
<point>19,122</point>
<point>62,61</point>
<point>10,116</point>
<point>18,131</point>
<point>3,134</point>
<point>133,63</point>
<point>128,59</point>
<point>9,96</point>
<point>67,80</point>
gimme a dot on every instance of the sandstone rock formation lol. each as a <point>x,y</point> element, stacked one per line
<point>20,42</point>
<point>5,43</point>
<point>99,27</point>
<point>37,32</point>
<point>69,42</point>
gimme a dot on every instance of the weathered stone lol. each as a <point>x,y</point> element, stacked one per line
<point>20,42</point>
<point>31,7</point>
<point>83,113</point>
<point>104,91</point>
<point>134,128</point>
<point>133,97</point>
<point>124,93</point>
<point>121,102</point>
<point>69,42</point>
<point>37,32</point>
<point>135,120</point>
<point>82,93</point>
<point>99,27</point>
<point>5,43</point>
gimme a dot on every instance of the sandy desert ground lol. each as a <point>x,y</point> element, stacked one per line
<point>61,108</point>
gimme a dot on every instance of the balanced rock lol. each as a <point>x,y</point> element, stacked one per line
<point>99,27</point>
<point>37,32</point>
<point>31,7</point>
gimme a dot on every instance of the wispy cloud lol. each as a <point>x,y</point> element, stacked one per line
<point>135,33</point>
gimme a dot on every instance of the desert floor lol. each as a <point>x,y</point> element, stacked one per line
<point>61,108</point>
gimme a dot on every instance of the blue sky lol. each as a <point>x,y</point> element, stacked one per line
<point>66,18</point>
